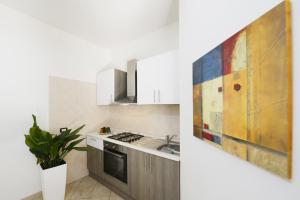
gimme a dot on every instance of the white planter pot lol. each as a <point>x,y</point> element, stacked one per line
<point>54,182</point>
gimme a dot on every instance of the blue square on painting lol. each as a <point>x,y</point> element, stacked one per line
<point>197,72</point>
<point>216,139</point>
<point>208,67</point>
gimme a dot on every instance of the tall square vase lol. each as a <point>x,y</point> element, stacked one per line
<point>53,182</point>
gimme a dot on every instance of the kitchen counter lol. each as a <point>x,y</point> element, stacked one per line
<point>146,144</point>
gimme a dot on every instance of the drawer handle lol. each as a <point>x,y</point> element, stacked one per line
<point>119,155</point>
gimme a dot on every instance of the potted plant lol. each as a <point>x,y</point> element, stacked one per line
<point>50,151</point>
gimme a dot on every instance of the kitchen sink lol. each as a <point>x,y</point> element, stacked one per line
<point>170,148</point>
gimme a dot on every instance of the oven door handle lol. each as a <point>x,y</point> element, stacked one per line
<point>114,154</point>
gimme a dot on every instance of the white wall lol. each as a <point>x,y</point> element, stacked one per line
<point>206,172</point>
<point>162,40</point>
<point>30,51</point>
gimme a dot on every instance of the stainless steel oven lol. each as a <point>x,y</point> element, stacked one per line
<point>115,161</point>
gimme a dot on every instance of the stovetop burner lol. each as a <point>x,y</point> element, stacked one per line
<point>126,137</point>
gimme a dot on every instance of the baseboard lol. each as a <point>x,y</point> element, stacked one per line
<point>33,196</point>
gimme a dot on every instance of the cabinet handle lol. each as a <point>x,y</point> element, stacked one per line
<point>154,96</point>
<point>145,163</point>
<point>114,154</point>
<point>150,164</point>
<point>158,91</point>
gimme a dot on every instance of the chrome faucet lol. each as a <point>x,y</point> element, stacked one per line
<point>169,138</point>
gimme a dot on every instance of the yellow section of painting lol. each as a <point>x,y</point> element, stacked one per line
<point>212,104</point>
<point>235,105</point>
<point>234,147</point>
<point>197,110</point>
<point>268,80</point>
<point>239,54</point>
<point>269,160</point>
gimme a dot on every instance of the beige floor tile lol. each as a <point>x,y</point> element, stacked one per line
<point>101,191</point>
<point>70,189</point>
<point>114,196</point>
<point>86,188</point>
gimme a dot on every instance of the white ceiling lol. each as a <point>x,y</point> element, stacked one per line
<point>107,23</point>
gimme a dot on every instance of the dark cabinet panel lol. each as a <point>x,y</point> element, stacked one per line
<point>138,174</point>
<point>164,179</point>
<point>152,177</point>
<point>149,177</point>
<point>95,161</point>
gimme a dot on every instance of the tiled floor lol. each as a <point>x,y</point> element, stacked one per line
<point>87,189</point>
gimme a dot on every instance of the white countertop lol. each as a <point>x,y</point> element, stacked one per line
<point>146,144</point>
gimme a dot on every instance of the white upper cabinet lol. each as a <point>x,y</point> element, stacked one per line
<point>146,82</point>
<point>105,87</point>
<point>157,79</point>
<point>111,85</point>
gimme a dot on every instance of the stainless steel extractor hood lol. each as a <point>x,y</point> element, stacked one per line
<point>131,94</point>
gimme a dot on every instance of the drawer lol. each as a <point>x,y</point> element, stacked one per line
<point>94,142</point>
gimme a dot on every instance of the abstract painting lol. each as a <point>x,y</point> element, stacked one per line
<point>242,93</point>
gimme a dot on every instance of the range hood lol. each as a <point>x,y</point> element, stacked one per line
<point>131,84</point>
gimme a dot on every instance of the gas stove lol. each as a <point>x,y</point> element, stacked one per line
<point>126,137</point>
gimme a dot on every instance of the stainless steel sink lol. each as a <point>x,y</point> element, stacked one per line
<point>170,148</point>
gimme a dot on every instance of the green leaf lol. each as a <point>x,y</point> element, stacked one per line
<point>50,149</point>
<point>81,148</point>
<point>73,144</point>
<point>29,142</point>
<point>77,130</point>
<point>34,121</point>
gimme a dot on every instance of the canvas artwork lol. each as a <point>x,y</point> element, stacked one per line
<point>242,93</point>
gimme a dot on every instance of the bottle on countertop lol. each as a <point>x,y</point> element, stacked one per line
<point>104,130</point>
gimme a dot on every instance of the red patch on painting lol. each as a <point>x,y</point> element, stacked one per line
<point>228,47</point>
<point>206,126</point>
<point>237,87</point>
<point>207,136</point>
<point>220,89</point>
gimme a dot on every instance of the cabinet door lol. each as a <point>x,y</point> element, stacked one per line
<point>105,87</point>
<point>164,179</point>
<point>158,81</point>
<point>95,161</point>
<point>168,80</point>
<point>146,81</point>
<point>138,177</point>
